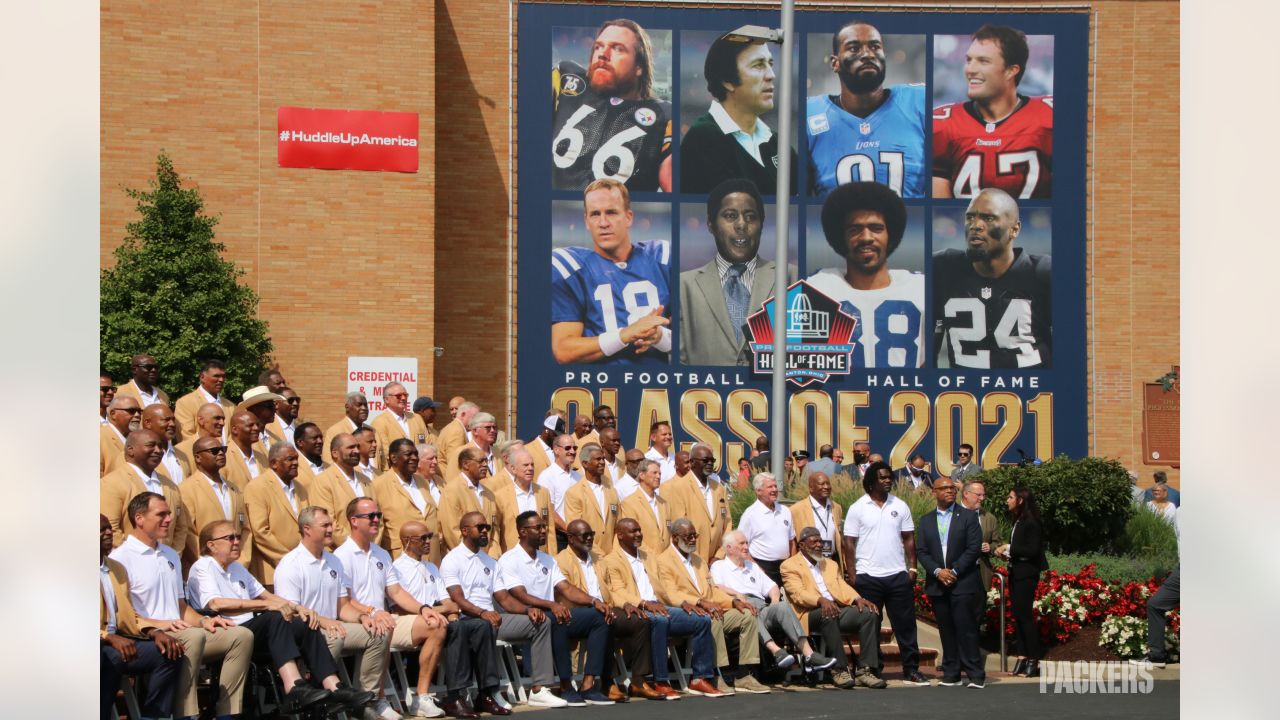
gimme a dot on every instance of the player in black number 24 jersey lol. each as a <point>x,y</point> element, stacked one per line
<point>607,124</point>
<point>992,303</point>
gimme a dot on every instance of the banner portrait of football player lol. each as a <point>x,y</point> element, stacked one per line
<point>727,247</point>
<point>728,89</point>
<point>993,113</point>
<point>992,289</point>
<point>610,299</point>
<point>611,106</point>
<point>866,117</point>
<point>872,264</point>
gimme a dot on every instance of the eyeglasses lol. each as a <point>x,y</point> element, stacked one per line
<point>369,515</point>
<point>976,494</point>
<point>131,411</point>
<point>483,527</point>
<point>398,395</point>
<point>693,535</point>
<point>232,538</point>
<point>219,450</point>
<point>107,388</point>
<point>420,538</point>
<point>147,366</point>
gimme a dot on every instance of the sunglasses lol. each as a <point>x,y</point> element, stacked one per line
<point>147,366</point>
<point>107,388</point>
<point>131,411</point>
<point>232,538</point>
<point>420,538</point>
<point>963,454</point>
<point>294,401</point>
<point>584,536</point>
<point>369,515</point>
<point>220,450</point>
<point>483,527</point>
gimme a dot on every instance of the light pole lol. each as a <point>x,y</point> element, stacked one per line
<point>786,111</point>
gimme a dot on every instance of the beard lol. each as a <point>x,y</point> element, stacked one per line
<point>687,548</point>
<point>482,542</point>
<point>859,83</point>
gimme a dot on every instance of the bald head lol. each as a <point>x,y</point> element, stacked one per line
<point>1000,201</point>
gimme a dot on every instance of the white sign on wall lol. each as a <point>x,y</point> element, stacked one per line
<point>369,375</point>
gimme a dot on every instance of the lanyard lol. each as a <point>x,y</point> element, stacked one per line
<point>826,509</point>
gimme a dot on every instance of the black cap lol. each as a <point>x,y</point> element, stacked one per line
<point>423,403</point>
<point>800,455</point>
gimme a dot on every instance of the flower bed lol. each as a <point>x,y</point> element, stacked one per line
<point>1067,602</point>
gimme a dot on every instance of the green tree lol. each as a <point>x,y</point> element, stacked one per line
<point>172,295</point>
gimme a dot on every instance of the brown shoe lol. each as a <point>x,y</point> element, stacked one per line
<point>700,686</point>
<point>666,689</point>
<point>616,695</point>
<point>649,692</point>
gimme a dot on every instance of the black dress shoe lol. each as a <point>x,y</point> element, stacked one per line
<point>1020,667</point>
<point>303,696</point>
<point>1033,668</point>
<point>353,698</point>
<point>488,705</point>
<point>458,707</point>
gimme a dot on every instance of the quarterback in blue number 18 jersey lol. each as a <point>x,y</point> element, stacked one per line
<point>887,146</point>
<point>606,296</point>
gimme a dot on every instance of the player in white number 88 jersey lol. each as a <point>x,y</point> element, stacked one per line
<point>610,302</point>
<point>864,222</point>
<point>992,303</point>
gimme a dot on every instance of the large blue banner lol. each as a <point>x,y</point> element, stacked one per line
<point>937,241</point>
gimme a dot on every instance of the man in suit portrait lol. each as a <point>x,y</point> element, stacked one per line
<point>716,298</point>
<point>947,545</point>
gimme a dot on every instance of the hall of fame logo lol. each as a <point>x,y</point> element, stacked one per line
<point>819,336</point>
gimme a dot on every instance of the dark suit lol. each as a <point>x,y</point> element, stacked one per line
<point>1026,561</point>
<point>904,476</point>
<point>706,332</point>
<point>953,605</point>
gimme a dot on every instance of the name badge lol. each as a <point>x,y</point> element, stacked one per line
<point>422,438</point>
<point>724,512</point>
<point>544,513</point>
<point>828,548</point>
<point>240,519</point>
<point>613,509</point>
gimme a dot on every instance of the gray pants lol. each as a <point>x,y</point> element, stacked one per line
<point>776,621</point>
<point>519,629</point>
<point>1168,597</point>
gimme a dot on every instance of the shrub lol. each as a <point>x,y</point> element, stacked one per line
<point>1116,569</point>
<point>173,296</point>
<point>1085,504</point>
<point>1126,636</point>
<point>1149,535</point>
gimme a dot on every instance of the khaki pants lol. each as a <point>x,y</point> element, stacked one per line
<point>234,646</point>
<point>744,625</point>
<point>370,651</point>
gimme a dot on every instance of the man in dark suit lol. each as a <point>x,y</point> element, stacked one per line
<point>916,474</point>
<point>947,545</point>
<point>717,298</point>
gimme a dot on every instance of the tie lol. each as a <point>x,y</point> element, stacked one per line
<point>737,298</point>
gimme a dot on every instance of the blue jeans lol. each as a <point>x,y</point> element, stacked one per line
<point>585,623</point>
<point>681,623</point>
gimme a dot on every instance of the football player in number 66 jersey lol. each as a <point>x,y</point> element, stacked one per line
<point>606,122</point>
<point>864,222</point>
<point>999,138</point>
<point>992,302</point>
<point>609,302</point>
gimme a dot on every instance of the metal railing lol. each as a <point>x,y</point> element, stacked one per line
<point>1004,654</point>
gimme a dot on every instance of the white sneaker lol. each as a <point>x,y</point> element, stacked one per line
<point>384,710</point>
<point>424,706</point>
<point>546,698</point>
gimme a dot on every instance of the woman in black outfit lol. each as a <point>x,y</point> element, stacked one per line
<point>1025,553</point>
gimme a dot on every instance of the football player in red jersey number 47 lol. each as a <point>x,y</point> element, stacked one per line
<point>607,124</point>
<point>998,138</point>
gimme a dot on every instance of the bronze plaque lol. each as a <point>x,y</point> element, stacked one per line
<point>1160,424</point>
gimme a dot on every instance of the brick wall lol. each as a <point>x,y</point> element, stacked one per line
<point>190,84</point>
<point>343,260</point>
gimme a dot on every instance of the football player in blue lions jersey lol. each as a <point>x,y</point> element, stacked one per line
<point>864,222</point>
<point>609,302</point>
<point>868,131</point>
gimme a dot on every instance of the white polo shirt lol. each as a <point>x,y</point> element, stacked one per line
<point>155,578</point>
<point>538,574</point>
<point>557,481</point>
<point>474,572</point>
<point>666,464</point>
<point>879,532</point>
<point>312,582</point>
<point>421,579</point>
<point>748,579</point>
<point>209,581</point>
<point>624,486</point>
<point>768,532</point>
<point>370,572</point>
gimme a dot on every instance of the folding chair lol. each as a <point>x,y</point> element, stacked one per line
<point>130,698</point>
<point>674,654</point>
<point>512,682</point>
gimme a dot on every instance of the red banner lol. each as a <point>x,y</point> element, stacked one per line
<point>348,139</point>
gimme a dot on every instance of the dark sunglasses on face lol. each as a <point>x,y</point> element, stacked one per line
<point>369,515</point>
<point>220,450</point>
<point>484,527</point>
<point>107,388</point>
<point>147,366</point>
